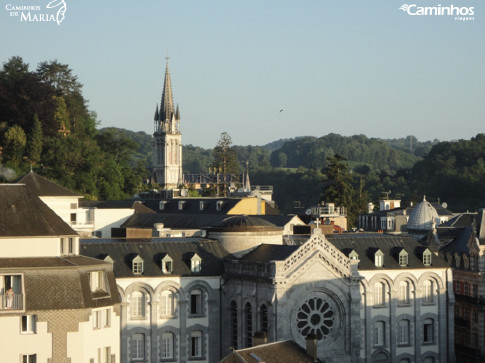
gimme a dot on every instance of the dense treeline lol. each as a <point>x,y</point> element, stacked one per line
<point>45,124</point>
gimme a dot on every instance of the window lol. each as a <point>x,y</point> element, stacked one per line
<point>181,205</point>
<point>73,205</point>
<point>167,346</point>
<point>167,303</point>
<point>137,351</point>
<point>379,333</point>
<point>264,318</point>
<point>97,281</point>
<point>29,324</point>
<point>353,255</point>
<point>427,257</point>
<point>196,344</point>
<point>107,355</point>
<point>248,311</point>
<point>196,302</point>
<point>97,319</point>
<point>219,204</point>
<point>29,358</point>
<point>379,258</point>
<point>167,264</point>
<point>201,205</point>
<point>163,204</point>
<point>67,246</point>
<point>428,331</point>
<point>137,305</point>
<point>107,318</point>
<point>137,265</point>
<point>428,292</point>
<point>379,294</point>
<point>428,360</point>
<point>234,327</point>
<point>196,263</point>
<point>403,258</point>
<point>11,296</point>
<point>73,218</point>
<point>404,292</point>
<point>404,332</point>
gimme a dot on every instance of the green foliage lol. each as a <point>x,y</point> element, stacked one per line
<point>34,145</point>
<point>225,159</point>
<point>14,141</point>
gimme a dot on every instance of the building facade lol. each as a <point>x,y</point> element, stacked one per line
<point>56,306</point>
<point>167,140</point>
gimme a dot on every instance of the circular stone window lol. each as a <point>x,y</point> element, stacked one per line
<point>315,316</point>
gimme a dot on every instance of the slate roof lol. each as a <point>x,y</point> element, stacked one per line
<point>277,352</point>
<point>43,187</point>
<point>53,283</point>
<point>242,223</point>
<point>365,244</point>
<point>421,216</point>
<point>23,214</point>
<point>153,250</point>
<point>268,252</point>
<point>138,206</point>
<point>191,205</point>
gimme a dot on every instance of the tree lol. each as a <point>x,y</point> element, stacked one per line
<point>14,141</point>
<point>60,77</point>
<point>225,157</point>
<point>338,187</point>
<point>34,146</point>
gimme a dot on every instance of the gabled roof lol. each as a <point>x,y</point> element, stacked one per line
<point>43,187</point>
<point>23,214</point>
<point>153,250</point>
<point>277,352</point>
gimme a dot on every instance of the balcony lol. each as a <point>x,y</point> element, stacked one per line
<point>16,302</point>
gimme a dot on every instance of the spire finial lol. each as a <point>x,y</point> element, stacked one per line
<point>167,57</point>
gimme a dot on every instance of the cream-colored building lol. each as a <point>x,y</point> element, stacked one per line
<point>56,306</point>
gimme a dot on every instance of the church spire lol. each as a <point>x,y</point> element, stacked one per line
<point>177,113</point>
<point>157,116</point>
<point>166,107</point>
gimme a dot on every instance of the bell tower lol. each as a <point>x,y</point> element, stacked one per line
<point>167,139</point>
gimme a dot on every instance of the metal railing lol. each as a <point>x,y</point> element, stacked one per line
<point>15,302</point>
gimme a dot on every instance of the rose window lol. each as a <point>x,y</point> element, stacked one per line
<point>315,316</point>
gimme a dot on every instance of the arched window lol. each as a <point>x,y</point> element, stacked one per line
<point>428,360</point>
<point>428,297</point>
<point>196,302</point>
<point>234,324</point>
<point>137,305</point>
<point>167,303</point>
<point>428,331</point>
<point>137,351</point>
<point>379,294</point>
<point>379,333</point>
<point>196,344</point>
<point>167,345</point>
<point>263,311</point>
<point>404,292</point>
<point>404,332</point>
<point>248,312</point>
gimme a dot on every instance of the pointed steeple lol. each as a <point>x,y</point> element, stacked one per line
<point>157,116</point>
<point>166,107</point>
<point>177,113</point>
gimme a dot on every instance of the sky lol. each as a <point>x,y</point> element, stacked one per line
<point>347,67</point>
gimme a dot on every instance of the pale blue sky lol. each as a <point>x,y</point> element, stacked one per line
<point>348,67</point>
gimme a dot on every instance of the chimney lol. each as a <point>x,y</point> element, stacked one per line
<point>311,346</point>
<point>259,338</point>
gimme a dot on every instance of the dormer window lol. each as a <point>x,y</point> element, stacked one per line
<point>137,265</point>
<point>201,205</point>
<point>167,264</point>
<point>109,259</point>
<point>403,258</point>
<point>195,263</point>
<point>97,281</point>
<point>219,204</point>
<point>427,257</point>
<point>353,255</point>
<point>379,258</point>
<point>181,204</point>
<point>163,204</point>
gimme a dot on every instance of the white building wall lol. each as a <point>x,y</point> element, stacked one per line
<point>32,247</point>
<point>105,219</point>
<point>62,206</point>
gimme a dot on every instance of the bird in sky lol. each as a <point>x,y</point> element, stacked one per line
<point>281,110</point>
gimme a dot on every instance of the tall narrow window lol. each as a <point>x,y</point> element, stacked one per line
<point>379,333</point>
<point>428,291</point>
<point>264,318</point>
<point>404,292</point>
<point>404,332</point>
<point>248,311</point>
<point>428,331</point>
<point>196,344</point>
<point>137,305</point>
<point>379,294</point>
<point>234,326</point>
<point>167,303</point>
<point>167,345</point>
<point>138,347</point>
<point>196,302</point>
<point>29,358</point>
